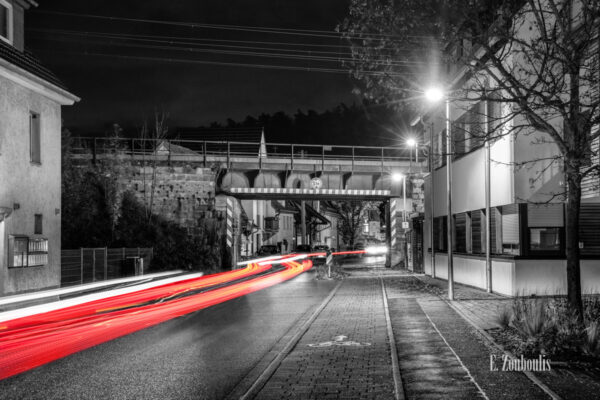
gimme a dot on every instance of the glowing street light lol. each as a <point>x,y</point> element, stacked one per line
<point>411,142</point>
<point>397,176</point>
<point>435,95</point>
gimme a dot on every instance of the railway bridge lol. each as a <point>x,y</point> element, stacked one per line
<point>282,171</point>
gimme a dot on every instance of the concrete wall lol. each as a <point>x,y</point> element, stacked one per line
<point>518,277</point>
<point>36,188</point>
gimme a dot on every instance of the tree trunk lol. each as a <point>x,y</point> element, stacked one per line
<point>572,242</point>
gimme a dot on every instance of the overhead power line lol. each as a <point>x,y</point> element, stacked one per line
<point>207,41</point>
<point>300,57</point>
<point>258,29</point>
<point>222,63</point>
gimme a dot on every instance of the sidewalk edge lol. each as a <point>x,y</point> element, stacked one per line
<point>492,342</point>
<point>246,393</point>
<point>398,386</point>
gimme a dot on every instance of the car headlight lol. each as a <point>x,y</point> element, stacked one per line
<point>376,250</point>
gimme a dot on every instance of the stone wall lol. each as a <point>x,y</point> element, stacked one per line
<point>181,194</point>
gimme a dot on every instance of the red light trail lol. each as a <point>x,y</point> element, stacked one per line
<point>34,340</point>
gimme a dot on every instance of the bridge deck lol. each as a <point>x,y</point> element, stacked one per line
<point>252,156</point>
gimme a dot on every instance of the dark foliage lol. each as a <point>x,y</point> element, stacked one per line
<point>364,124</point>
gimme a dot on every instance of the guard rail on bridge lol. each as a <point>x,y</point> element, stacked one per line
<point>173,150</point>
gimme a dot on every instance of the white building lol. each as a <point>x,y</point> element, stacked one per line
<point>527,239</point>
<point>30,160</point>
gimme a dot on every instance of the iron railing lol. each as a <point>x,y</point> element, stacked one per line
<point>174,149</point>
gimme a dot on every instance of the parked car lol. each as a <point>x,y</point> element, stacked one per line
<point>267,250</point>
<point>303,248</point>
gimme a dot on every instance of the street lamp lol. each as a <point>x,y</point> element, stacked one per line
<point>435,95</point>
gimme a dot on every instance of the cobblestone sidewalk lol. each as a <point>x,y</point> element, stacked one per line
<point>345,354</point>
<point>478,305</point>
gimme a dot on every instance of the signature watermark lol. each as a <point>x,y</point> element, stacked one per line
<point>506,363</point>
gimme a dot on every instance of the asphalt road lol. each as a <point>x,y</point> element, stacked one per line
<point>202,355</point>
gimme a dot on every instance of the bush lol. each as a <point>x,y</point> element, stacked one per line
<point>504,317</point>
<point>548,326</point>
<point>530,317</point>
<point>173,247</point>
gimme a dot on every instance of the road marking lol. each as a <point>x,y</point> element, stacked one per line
<point>339,340</point>
<point>455,355</point>
<point>398,388</point>
<point>273,365</point>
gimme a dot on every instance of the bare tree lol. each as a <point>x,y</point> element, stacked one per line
<point>151,140</point>
<point>537,60</point>
<point>351,214</point>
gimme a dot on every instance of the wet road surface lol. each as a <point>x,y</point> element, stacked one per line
<point>198,356</point>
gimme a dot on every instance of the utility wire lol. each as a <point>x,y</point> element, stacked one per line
<point>195,39</point>
<point>252,53</point>
<point>221,63</point>
<point>259,29</point>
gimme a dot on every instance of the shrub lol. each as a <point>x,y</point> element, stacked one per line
<point>591,344</point>
<point>504,317</point>
<point>530,317</point>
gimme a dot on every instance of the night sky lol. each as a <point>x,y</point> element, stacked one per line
<point>124,83</point>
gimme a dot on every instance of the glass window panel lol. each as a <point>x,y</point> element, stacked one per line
<point>544,239</point>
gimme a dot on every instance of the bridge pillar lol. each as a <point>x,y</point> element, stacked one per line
<point>397,239</point>
<point>232,210</point>
<point>303,220</point>
<point>388,235</point>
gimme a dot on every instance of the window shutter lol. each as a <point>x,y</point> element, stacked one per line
<point>476,231</point>
<point>460,221</point>
<point>510,224</point>
<point>545,216</point>
<point>589,229</point>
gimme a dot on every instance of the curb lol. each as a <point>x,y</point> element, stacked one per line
<point>398,387</point>
<point>249,393</point>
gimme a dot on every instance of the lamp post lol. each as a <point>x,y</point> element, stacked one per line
<point>436,95</point>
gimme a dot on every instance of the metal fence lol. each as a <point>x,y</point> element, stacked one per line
<point>172,149</point>
<point>87,265</point>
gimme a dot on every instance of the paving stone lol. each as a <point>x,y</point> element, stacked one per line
<point>341,372</point>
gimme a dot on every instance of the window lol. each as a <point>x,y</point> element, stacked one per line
<point>34,138</point>
<point>477,232</point>
<point>460,226</point>
<point>495,231</point>
<point>510,229</point>
<point>27,252</point>
<point>439,233</point>
<point>6,21</point>
<point>545,225</point>
<point>38,229</point>
<point>544,239</point>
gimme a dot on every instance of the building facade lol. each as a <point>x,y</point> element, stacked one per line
<point>527,211</point>
<point>30,160</point>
